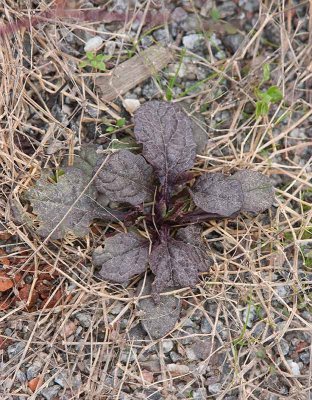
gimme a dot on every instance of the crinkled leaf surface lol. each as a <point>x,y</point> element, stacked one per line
<point>165,131</point>
<point>257,189</point>
<point>124,255</point>
<point>125,177</point>
<point>157,318</point>
<point>51,201</point>
<point>191,235</point>
<point>174,263</point>
<point>217,194</point>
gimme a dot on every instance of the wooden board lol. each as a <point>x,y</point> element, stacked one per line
<point>132,72</point>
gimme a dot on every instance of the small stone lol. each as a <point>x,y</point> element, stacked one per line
<point>128,355</point>
<point>93,44</point>
<point>15,348</point>
<point>51,392</point>
<point>175,356</point>
<point>34,369</point>
<point>161,35</point>
<point>305,357</point>
<point>284,346</point>
<point>131,105</point>
<point>233,42</point>
<point>194,41</point>
<point>283,291</point>
<point>110,47</point>
<point>167,346</point>
<point>215,388</point>
<point>61,379</point>
<point>84,319</point>
<point>178,369</point>
<point>148,376</point>
<point>178,15</point>
<point>294,367</point>
<point>199,394</point>
<point>205,326</point>
<point>21,376</point>
<point>147,41</point>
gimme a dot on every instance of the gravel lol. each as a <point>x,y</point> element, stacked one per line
<point>51,392</point>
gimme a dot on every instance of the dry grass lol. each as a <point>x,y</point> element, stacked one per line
<point>255,258</point>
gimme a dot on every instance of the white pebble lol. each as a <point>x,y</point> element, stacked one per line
<point>294,367</point>
<point>93,44</point>
<point>131,105</point>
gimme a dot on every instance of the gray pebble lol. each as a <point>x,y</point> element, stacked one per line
<point>161,35</point>
<point>215,388</point>
<point>51,392</point>
<point>249,5</point>
<point>147,41</point>
<point>205,326</point>
<point>167,346</point>
<point>15,348</point>
<point>34,369</point>
<point>233,42</point>
<point>295,369</point>
<point>175,356</point>
<point>61,379</point>
<point>284,346</point>
<point>84,319</point>
<point>21,376</point>
<point>199,394</point>
<point>178,15</point>
<point>305,357</point>
<point>128,355</point>
<point>194,41</point>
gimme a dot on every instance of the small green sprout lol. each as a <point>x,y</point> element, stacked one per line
<point>265,98</point>
<point>96,61</point>
<point>119,124</point>
<point>215,14</point>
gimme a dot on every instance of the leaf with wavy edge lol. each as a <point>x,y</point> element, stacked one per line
<point>124,255</point>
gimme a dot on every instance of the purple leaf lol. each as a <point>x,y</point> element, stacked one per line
<point>174,263</point>
<point>165,131</point>
<point>218,194</point>
<point>157,318</point>
<point>125,177</point>
<point>257,189</point>
<point>124,255</point>
<point>65,206</point>
<point>191,235</point>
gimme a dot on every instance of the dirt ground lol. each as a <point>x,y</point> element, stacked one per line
<point>72,73</point>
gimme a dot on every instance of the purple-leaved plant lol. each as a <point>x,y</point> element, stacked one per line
<point>161,175</point>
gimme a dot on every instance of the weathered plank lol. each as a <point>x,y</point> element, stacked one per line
<point>132,72</point>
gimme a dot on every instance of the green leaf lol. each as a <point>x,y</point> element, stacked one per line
<point>265,97</point>
<point>101,66</point>
<point>90,55</point>
<point>266,72</point>
<point>215,14</point>
<point>100,57</point>
<point>94,63</point>
<point>120,122</point>
<point>275,94</point>
<point>169,94</point>
<point>262,108</point>
<point>110,129</point>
